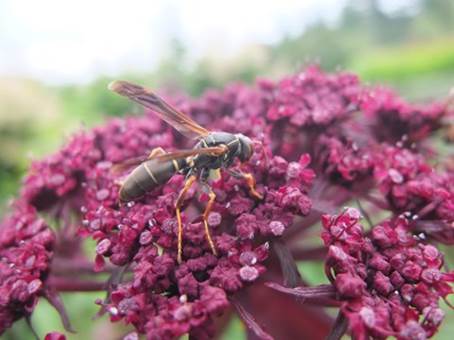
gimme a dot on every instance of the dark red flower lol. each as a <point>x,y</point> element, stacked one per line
<point>314,98</point>
<point>26,245</point>
<point>320,141</point>
<point>395,120</point>
<point>415,189</point>
<point>389,283</point>
<point>139,232</point>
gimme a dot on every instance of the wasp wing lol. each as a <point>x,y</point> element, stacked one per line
<point>120,167</point>
<point>178,154</point>
<point>160,157</point>
<point>181,122</point>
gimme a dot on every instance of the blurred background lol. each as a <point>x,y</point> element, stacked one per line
<point>56,58</point>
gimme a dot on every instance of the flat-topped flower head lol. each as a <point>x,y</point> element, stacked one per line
<point>319,141</point>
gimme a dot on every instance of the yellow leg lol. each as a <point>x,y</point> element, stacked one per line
<point>178,203</point>
<point>156,152</point>
<point>212,197</point>
<point>250,180</point>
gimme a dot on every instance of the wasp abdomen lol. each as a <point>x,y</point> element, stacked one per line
<point>148,176</point>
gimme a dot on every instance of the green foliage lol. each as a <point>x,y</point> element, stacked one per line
<point>81,311</point>
<point>318,43</point>
<point>405,62</point>
<point>235,330</point>
<point>313,272</point>
<point>93,101</point>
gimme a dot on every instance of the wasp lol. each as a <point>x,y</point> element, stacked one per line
<point>213,150</point>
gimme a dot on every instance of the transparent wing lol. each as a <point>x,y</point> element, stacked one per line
<point>214,151</point>
<point>162,109</point>
<point>120,167</point>
<point>178,154</point>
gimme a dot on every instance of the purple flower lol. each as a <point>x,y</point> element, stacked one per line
<point>26,248</point>
<point>388,282</point>
<point>320,142</point>
<point>314,98</point>
<point>415,189</point>
<point>396,120</point>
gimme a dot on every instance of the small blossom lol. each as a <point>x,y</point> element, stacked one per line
<point>413,187</point>
<point>375,303</point>
<point>26,249</point>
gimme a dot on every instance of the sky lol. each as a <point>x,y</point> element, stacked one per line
<point>58,41</point>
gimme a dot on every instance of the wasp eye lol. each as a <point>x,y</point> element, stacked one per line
<point>249,151</point>
<point>246,148</point>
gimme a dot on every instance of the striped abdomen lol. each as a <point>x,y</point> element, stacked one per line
<point>148,176</point>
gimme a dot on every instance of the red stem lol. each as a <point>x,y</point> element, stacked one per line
<point>309,254</point>
<point>74,285</point>
<point>77,266</point>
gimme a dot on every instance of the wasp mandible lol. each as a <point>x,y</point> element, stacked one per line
<point>214,150</point>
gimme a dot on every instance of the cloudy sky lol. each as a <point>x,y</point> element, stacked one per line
<point>73,41</point>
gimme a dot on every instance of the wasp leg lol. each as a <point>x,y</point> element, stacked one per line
<point>181,196</point>
<point>209,206</point>
<point>250,180</point>
<point>156,152</point>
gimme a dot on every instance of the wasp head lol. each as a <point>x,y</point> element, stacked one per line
<point>246,149</point>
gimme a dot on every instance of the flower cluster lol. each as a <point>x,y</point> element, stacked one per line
<point>389,282</point>
<point>142,234</point>
<point>413,188</point>
<point>26,245</point>
<point>397,118</point>
<point>313,98</point>
<point>343,161</point>
<point>320,141</point>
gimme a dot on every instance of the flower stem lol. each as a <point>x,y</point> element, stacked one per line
<point>80,266</point>
<point>74,285</point>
